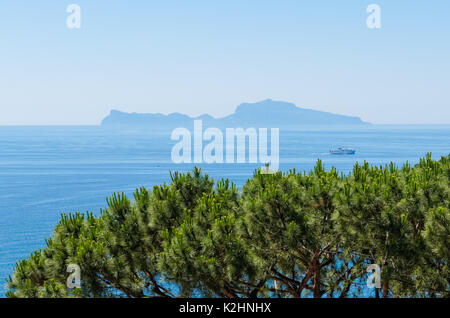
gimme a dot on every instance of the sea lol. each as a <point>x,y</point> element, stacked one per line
<point>46,171</point>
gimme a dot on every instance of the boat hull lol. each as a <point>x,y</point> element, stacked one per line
<point>342,152</point>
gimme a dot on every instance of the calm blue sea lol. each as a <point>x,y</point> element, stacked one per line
<point>45,171</point>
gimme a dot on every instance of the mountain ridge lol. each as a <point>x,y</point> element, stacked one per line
<point>266,113</point>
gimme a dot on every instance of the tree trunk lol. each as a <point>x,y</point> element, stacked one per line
<point>385,289</point>
<point>317,279</point>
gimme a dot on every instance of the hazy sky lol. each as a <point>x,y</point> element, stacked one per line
<point>209,56</point>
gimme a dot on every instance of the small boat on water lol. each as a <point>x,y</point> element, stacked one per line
<point>342,151</point>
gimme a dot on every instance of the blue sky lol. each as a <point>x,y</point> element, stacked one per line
<point>199,57</point>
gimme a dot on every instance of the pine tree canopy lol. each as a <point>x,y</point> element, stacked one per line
<point>286,234</point>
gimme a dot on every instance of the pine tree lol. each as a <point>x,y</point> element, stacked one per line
<point>284,235</point>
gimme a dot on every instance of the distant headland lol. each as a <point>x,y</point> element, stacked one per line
<point>267,113</point>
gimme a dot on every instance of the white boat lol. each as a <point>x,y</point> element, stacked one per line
<point>342,151</point>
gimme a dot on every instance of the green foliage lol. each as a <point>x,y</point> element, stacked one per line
<point>284,235</point>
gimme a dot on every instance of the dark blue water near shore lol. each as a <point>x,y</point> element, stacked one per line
<point>45,171</point>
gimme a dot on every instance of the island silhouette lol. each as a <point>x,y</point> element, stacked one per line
<point>267,113</point>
